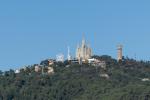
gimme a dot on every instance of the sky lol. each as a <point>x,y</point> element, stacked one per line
<point>34,30</point>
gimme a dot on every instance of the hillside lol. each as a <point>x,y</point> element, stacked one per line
<point>80,82</point>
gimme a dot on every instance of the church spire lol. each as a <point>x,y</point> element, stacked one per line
<point>83,40</point>
<point>83,36</point>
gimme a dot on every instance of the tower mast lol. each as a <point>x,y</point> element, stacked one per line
<point>119,52</point>
<point>69,56</point>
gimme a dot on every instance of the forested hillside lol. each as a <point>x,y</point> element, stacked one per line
<point>79,82</point>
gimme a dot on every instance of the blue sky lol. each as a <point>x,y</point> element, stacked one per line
<point>33,30</point>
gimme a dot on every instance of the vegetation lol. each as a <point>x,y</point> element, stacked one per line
<point>79,82</point>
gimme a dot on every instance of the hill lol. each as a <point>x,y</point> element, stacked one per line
<point>80,82</point>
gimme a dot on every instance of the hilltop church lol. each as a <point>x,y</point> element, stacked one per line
<point>83,51</point>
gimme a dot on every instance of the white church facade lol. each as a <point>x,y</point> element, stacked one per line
<point>83,51</point>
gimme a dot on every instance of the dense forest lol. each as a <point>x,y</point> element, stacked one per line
<point>79,82</point>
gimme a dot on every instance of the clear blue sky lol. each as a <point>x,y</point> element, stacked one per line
<point>33,30</point>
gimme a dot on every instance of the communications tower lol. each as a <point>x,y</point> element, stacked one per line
<point>119,49</point>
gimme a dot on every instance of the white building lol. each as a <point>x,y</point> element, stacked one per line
<point>96,62</point>
<point>37,68</point>
<point>50,70</point>
<point>17,71</point>
<point>60,58</point>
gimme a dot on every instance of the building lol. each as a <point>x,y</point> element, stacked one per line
<point>97,63</point>
<point>60,58</point>
<point>17,71</point>
<point>83,51</point>
<point>119,58</point>
<point>37,68</point>
<point>50,62</point>
<point>47,62</point>
<point>74,61</point>
<point>50,70</point>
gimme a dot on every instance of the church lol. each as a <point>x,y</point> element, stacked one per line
<point>83,51</point>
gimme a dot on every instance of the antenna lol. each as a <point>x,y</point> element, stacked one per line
<point>69,56</point>
<point>135,56</point>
